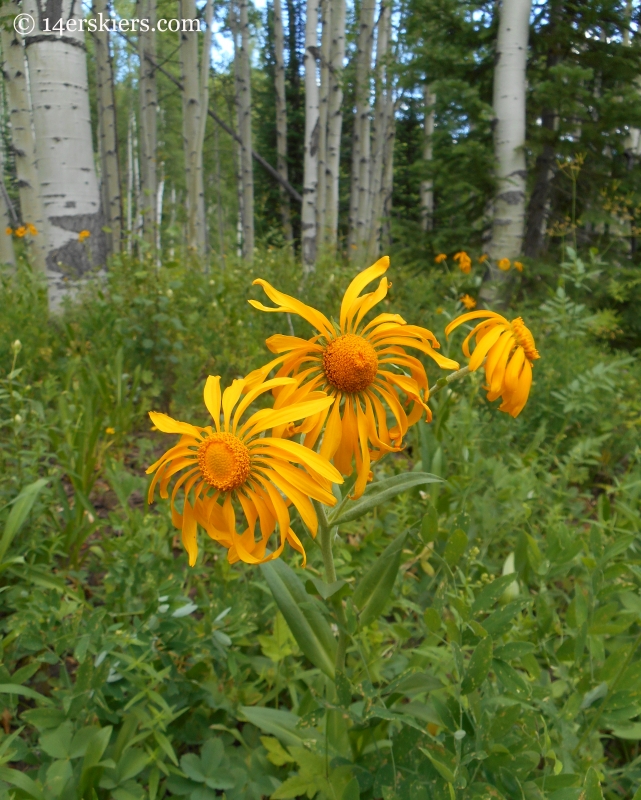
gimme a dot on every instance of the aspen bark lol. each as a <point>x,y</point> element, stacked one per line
<point>323,102</point>
<point>64,150</point>
<point>388,172</point>
<point>130,182</point>
<point>148,101</point>
<point>192,121</point>
<point>107,133</point>
<point>509,136</point>
<point>205,64</point>
<point>374,199</point>
<point>7,253</point>
<point>281,119</point>
<point>23,146</point>
<point>312,126</point>
<point>334,121</point>
<point>361,140</point>
<point>243,104</point>
<point>427,186</point>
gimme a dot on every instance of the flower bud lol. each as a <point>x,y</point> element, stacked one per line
<point>16,346</point>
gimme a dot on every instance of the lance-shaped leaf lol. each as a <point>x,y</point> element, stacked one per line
<point>479,666</point>
<point>280,723</point>
<point>376,585</point>
<point>309,627</point>
<point>22,505</point>
<point>380,492</point>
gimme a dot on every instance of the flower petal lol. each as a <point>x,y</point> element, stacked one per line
<point>212,398</point>
<point>166,424</point>
<point>287,303</point>
<point>293,451</point>
<point>357,286</point>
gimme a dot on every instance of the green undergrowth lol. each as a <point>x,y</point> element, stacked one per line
<point>507,662</point>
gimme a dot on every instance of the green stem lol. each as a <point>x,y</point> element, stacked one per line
<point>330,577</point>
<point>453,376</point>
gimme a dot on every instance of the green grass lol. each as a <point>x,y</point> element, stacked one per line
<point>124,672</point>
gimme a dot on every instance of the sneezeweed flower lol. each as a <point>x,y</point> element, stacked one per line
<point>508,350</point>
<point>440,258</point>
<point>504,264</point>
<point>83,235</point>
<point>8,230</point>
<point>518,266</point>
<point>468,302</point>
<point>363,366</point>
<point>33,231</point>
<point>483,258</point>
<point>228,466</point>
<point>464,262</point>
<point>20,232</point>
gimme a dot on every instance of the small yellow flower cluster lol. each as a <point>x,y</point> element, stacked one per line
<point>505,264</point>
<point>22,230</point>
<point>464,262</point>
<point>468,302</point>
<point>440,258</point>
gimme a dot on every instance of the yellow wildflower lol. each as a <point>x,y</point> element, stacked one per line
<point>518,265</point>
<point>20,232</point>
<point>468,302</point>
<point>231,464</point>
<point>33,231</point>
<point>483,258</point>
<point>83,235</point>
<point>504,264</point>
<point>510,351</point>
<point>440,258</point>
<point>8,230</point>
<point>110,431</point>
<point>363,366</point>
<point>464,262</point>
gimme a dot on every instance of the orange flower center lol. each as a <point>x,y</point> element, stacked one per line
<point>524,337</point>
<point>350,363</point>
<point>224,461</point>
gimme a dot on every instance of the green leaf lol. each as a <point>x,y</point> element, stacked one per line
<point>309,627</point>
<point>57,744</point>
<point>22,505</point>
<point>380,492</point>
<point>132,763</point>
<point>375,587</point>
<point>429,525</point>
<point>592,786</point>
<point>510,678</point>
<point>281,724</point>
<point>22,781</point>
<point>442,769</point>
<point>500,621</point>
<point>455,547</point>
<point>276,753</point>
<point>24,691</point>
<point>491,593</point>
<point>478,666</point>
<point>325,590</point>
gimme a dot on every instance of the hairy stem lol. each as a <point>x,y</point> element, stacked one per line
<point>453,376</point>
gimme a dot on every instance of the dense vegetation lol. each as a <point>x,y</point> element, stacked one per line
<point>127,675</point>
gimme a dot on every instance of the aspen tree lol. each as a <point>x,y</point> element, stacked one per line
<point>205,64</point>
<point>107,133</point>
<point>359,186</point>
<point>7,252</point>
<point>312,125</point>
<point>334,120</point>
<point>325,49</point>
<point>427,185</point>
<point>192,121</point>
<point>509,136</point>
<point>148,101</point>
<point>64,150</point>
<point>243,105</point>
<point>23,145</point>
<point>281,119</point>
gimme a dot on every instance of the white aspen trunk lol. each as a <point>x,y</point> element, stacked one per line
<point>427,186</point>
<point>138,224</point>
<point>219,199</point>
<point>159,205</point>
<point>509,134</point>
<point>334,121</point>
<point>312,126</point>
<point>148,101</point>
<point>205,64</point>
<point>107,133</point>
<point>7,253</point>
<point>192,113</point>
<point>388,171</point>
<point>374,203</point>
<point>130,183</point>
<point>62,125</point>
<point>281,119</point>
<point>243,101</point>
<point>323,102</point>
<point>23,146</point>
<point>361,139</point>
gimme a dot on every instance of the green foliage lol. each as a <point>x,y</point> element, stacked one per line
<point>490,619</point>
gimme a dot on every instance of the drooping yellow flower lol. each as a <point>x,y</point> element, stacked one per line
<point>33,231</point>
<point>518,265</point>
<point>363,366</point>
<point>229,464</point>
<point>468,302</point>
<point>8,230</point>
<point>20,232</point>
<point>83,235</point>
<point>508,350</point>
<point>464,262</point>
<point>440,258</point>
<point>504,264</point>
<point>483,258</point>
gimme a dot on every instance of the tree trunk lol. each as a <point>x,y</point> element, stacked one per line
<point>334,121</point>
<point>427,186</point>
<point>205,64</point>
<point>361,138</point>
<point>325,49</point>
<point>148,99</point>
<point>62,125</point>
<point>388,173</point>
<point>7,253</point>
<point>24,148</point>
<point>192,113</point>
<point>108,133</point>
<point>312,125</point>
<point>281,119</point>
<point>243,104</point>
<point>539,205</point>
<point>374,199</point>
<point>509,139</point>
